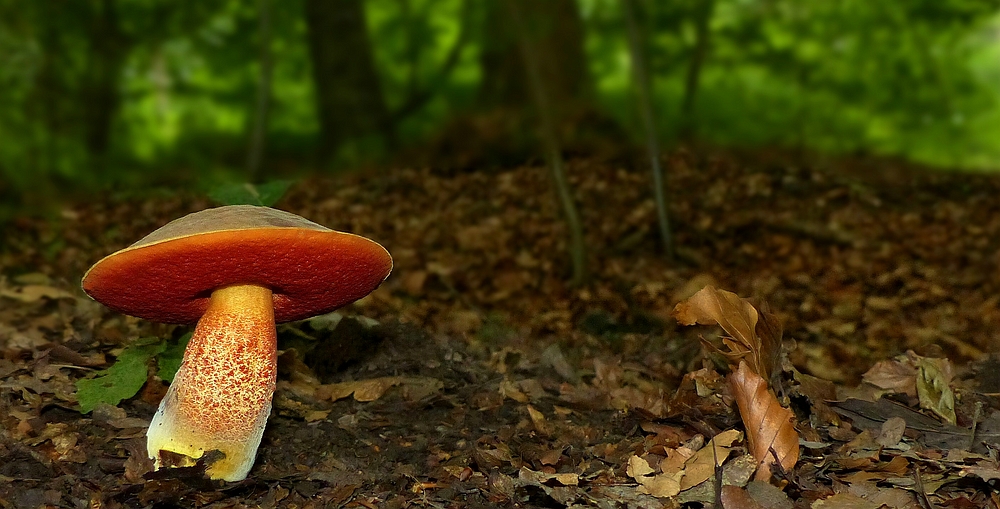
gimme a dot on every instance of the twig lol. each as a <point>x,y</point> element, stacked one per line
<point>975,424</point>
<point>717,481</point>
<point>922,499</point>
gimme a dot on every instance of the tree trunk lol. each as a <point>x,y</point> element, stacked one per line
<point>348,91</point>
<point>543,104</point>
<point>258,132</point>
<point>643,86</point>
<point>555,35</point>
<point>703,16</point>
<point>100,96</point>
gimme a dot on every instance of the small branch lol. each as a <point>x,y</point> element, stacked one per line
<point>918,485</point>
<point>698,54</point>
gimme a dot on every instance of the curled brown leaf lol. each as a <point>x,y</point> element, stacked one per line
<point>754,336</point>
<point>770,427</point>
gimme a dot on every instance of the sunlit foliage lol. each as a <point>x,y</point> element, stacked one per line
<point>126,93</point>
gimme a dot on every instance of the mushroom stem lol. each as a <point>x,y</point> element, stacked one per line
<point>221,396</point>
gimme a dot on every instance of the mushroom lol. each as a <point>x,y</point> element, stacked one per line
<point>236,271</point>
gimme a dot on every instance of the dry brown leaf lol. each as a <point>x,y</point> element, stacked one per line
<point>638,467</point>
<point>893,376</point>
<point>770,427</point>
<point>754,337</point>
<point>32,293</point>
<point>316,415</point>
<point>676,459</point>
<point>701,466</point>
<point>509,389</point>
<point>658,485</point>
<point>891,432</point>
<point>711,306</point>
<point>534,478</point>
<point>662,485</point>
<point>734,497</point>
<point>844,501</point>
<point>539,421</point>
<point>363,390</point>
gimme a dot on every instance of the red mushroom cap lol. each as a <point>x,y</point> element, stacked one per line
<point>169,275</point>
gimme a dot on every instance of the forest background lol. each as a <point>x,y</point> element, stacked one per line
<point>813,157</point>
<point>134,97</point>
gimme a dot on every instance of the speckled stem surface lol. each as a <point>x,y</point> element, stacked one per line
<point>221,396</point>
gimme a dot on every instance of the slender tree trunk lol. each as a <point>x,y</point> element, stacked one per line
<point>100,96</point>
<point>348,91</point>
<point>649,123</point>
<point>540,96</point>
<point>258,138</point>
<point>703,18</point>
<point>45,99</point>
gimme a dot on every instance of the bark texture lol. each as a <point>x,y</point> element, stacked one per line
<point>554,32</point>
<point>348,91</point>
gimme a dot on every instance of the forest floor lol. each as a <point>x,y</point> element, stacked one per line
<point>485,380</point>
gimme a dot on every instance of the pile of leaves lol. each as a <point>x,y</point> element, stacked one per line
<point>476,377</point>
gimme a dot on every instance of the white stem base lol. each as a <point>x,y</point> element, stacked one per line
<point>220,398</point>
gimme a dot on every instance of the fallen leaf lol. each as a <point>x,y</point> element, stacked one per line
<point>934,389</point>
<point>538,420</point>
<point>32,293</point>
<point>734,497</point>
<point>374,388</point>
<point>770,427</point>
<point>753,337</point>
<point>891,432</point>
<point>316,415</point>
<point>550,457</point>
<point>638,467</point>
<point>663,485</point>
<point>700,467</point>
<point>844,501</point>
<point>893,376</point>
<point>666,484</point>
<point>123,379</point>
<point>509,389</point>
<point>534,478</point>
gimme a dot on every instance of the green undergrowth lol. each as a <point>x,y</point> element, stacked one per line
<point>130,371</point>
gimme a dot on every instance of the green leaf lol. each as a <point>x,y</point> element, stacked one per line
<point>264,195</point>
<point>123,379</point>
<point>272,191</point>
<point>170,360</point>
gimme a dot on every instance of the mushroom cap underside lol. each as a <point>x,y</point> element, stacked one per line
<point>310,269</point>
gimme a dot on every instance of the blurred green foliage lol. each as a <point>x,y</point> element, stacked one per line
<point>133,94</point>
<point>263,195</point>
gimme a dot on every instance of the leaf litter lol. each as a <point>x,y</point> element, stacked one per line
<point>476,377</point>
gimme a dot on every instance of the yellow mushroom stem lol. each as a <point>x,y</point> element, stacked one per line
<point>221,396</point>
